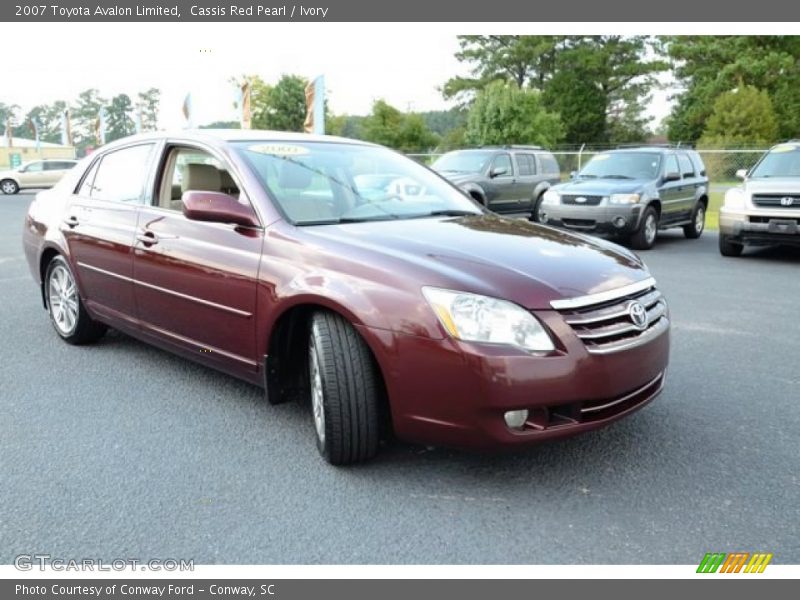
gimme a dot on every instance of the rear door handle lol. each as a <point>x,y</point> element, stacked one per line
<point>148,238</point>
<point>71,221</point>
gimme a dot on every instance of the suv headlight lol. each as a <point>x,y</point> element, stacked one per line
<point>475,318</point>
<point>735,199</point>
<point>624,198</point>
<point>551,197</point>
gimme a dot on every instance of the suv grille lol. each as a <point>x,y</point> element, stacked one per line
<point>589,200</point>
<point>608,325</point>
<point>777,201</point>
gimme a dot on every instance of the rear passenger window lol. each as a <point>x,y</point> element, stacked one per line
<point>549,164</point>
<point>699,167</point>
<point>525,164</point>
<point>687,169</point>
<point>121,174</point>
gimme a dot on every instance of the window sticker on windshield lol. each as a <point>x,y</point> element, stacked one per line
<point>602,157</point>
<point>279,149</point>
<point>785,148</point>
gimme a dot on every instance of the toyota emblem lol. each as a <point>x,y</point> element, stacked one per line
<point>638,314</point>
<point>787,201</point>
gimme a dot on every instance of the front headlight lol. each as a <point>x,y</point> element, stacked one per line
<point>475,318</point>
<point>624,198</point>
<point>735,199</point>
<point>551,197</point>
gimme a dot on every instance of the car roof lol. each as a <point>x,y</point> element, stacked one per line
<point>235,135</point>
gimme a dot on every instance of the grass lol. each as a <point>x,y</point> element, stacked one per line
<point>712,214</point>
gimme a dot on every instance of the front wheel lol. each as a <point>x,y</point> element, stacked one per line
<point>695,229</point>
<point>644,238</point>
<point>9,186</point>
<point>67,313</point>
<point>345,387</point>
<point>537,214</point>
<point>729,248</point>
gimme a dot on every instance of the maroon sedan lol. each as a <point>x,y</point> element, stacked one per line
<point>345,275</point>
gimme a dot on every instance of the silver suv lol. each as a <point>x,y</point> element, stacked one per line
<point>765,208</point>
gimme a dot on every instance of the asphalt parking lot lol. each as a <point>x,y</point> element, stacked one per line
<point>120,450</point>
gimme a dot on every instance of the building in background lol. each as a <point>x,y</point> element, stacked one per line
<point>23,150</point>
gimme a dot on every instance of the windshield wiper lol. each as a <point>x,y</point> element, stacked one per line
<point>616,177</point>
<point>445,212</point>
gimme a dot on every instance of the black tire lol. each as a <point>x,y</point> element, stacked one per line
<point>9,186</point>
<point>537,204</point>
<point>695,229</point>
<point>347,378</point>
<point>729,248</point>
<point>80,328</point>
<point>644,238</point>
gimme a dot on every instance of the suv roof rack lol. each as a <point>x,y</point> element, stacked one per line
<point>678,146</point>
<point>514,147</point>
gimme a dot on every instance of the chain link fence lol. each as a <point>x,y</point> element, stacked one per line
<point>721,163</point>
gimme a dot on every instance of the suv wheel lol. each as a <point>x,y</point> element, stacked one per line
<point>695,229</point>
<point>645,237</point>
<point>9,186</point>
<point>729,248</point>
<point>537,212</point>
<point>344,388</point>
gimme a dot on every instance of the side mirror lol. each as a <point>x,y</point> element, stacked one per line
<point>741,174</point>
<point>573,174</point>
<point>497,171</point>
<point>672,176</point>
<point>217,207</point>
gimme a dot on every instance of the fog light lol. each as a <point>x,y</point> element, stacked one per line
<point>620,222</point>
<point>515,419</point>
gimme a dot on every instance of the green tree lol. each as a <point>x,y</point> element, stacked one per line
<point>119,121</point>
<point>707,66</point>
<point>149,102</point>
<point>505,114</point>
<point>406,132</point>
<point>49,118</point>
<point>742,116</point>
<point>287,104</point>
<point>83,118</point>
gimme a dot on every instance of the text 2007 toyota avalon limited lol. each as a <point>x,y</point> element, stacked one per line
<point>348,276</point>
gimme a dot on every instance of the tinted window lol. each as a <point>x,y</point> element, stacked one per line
<point>549,164</point>
<point>671,164</point>
<point>503,161</point>
<point>687,168</point>
<point>86,186</point>
<point>34,167</point>
<point>697,161</point>
<point>121,174</point>
<point>465,161</point>
<point>524,164</point>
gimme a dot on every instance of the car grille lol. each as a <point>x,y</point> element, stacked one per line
<point>777,201</point>
<point>589,200</point>
<point>580,223</point>
<point>607,326</point>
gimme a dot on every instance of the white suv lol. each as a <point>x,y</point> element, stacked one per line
<point>765,208</point>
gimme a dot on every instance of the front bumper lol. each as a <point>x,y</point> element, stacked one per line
<point>452,393</point>
<point>760,227</point>
<point>603,218</point>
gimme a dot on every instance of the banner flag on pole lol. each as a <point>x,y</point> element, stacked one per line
<point>33,124</point>
<point>247,113</point>
<point>187,110</point>
<point>66,129</point>
<point>100,127</point>
<point>9,135</point>
<point>315,106</point>
<point>137,118</point>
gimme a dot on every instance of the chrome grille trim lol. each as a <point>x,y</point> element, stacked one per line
<point>599,298</point>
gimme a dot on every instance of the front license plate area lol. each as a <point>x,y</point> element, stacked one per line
<point>782,226</point>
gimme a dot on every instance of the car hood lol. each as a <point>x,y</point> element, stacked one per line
<point>459,178</point>
<point>787,185</point>
<point>601,187</point>
<point>524,262</point>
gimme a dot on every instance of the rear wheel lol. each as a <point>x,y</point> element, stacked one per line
<point>67,313</point>
<point>729,248</point>
<point>344,384</point>
<point>9,186</point>
<point>645,237</point>
<point>695,229</point>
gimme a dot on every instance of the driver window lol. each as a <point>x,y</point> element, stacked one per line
<point>503,161</point>
<point>193,169</point>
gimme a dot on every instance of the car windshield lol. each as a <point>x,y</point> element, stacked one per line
<point>462,162</point>
<point>622,165</point>
<point>317,183</point>
<point>781,161</point>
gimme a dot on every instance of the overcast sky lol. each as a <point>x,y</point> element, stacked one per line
<point>403,63</point>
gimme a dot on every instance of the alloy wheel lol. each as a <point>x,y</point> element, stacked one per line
<point>63,300</point>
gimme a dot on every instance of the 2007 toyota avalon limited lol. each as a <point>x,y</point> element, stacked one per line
<point>348,276</point>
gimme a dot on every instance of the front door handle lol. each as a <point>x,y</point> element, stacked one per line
<point>148,238</point>
<point>71,221</point>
